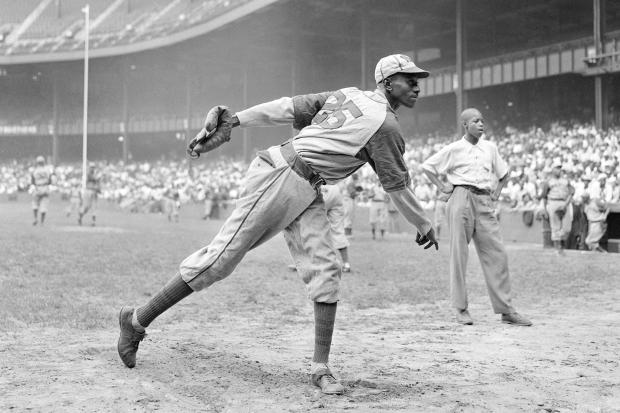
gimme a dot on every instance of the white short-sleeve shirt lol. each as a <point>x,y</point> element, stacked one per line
<point>464,163</point>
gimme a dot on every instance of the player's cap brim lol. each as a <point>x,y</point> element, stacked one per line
<point>411,68</point>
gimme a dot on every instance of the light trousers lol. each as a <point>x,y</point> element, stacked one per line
<point>471,216</point>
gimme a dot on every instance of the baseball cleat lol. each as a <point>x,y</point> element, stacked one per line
<point>516,319</point>
<point>129,338</point>
<point>328,384</point>
<point>346,267</point>
<point>463,317</point>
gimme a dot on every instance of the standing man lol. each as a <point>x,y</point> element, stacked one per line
<point>378,213</point>
<point>557,195</point>
<point>332,198</point>
<point>352,189</point>
<point>339,132</point>
<point>334,208</point>
<point>475,174</point>
<point>91,193</point>
<point>40,181</point>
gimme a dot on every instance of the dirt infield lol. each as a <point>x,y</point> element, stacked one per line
<point>245,344</point>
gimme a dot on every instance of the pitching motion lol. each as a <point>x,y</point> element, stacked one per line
<point>339,132</point>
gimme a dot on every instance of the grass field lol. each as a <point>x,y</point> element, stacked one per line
<point>245,344</point>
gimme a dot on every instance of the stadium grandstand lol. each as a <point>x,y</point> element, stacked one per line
<point>156,66</point>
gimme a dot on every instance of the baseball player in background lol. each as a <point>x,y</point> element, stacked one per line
<point>339,132</point>
<point>333,200</point>
<point>352,188</point>
<point>90,195</point>
<point>475,174</point>
<point>334,208</point>
<point>172,204</point>
<point>557,196</point>
<point>40,181</point>
<point>378,213</point>
<point>75,198</point>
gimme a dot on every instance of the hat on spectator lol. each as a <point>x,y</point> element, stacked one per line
<point>557,164</point>
<point>602,176</point>
<point>396,63</point>
<point>40,159</point>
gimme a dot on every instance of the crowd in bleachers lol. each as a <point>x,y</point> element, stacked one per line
<point>590,160</point>
<point>139,187</point>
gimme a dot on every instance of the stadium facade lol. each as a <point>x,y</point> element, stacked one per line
<point>156,66</point>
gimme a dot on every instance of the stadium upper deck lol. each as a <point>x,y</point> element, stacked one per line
<point>40,27</point>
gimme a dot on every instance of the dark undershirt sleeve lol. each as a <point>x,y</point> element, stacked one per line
<point>307,106</point>
<point>384,152</point>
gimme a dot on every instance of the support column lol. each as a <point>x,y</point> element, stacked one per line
<point>461,56</point>
<point>245,105</point>
<point>363,46</point>
<point>187,122</point>
<point>294,72</point>
<point>600,92</point>
<point>55,103</point>
<point>125,113</point>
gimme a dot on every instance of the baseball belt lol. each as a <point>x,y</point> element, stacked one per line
<point>300,166</point>
<point>475,189</point>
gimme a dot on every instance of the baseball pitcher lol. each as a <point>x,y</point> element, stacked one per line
<point>340,131</point>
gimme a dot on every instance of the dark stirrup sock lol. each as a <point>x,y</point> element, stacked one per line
<point>324,316</point>
<point>174,291</point>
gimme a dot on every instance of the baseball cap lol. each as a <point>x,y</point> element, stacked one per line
<point>40,159</point>
<point>396,63</point>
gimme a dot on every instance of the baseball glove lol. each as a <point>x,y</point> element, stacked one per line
<point>217,130</point>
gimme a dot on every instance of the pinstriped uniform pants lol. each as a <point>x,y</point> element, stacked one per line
<point>274,199</point>
<point>471,216</point>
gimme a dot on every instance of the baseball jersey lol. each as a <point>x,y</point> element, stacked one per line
<point>332,196</point>
<point>377,194</point>
<point>93,181</point>
<point>464,163</point>
<point>557,189</point>
<point>41,178</point>
<point>339,132</point>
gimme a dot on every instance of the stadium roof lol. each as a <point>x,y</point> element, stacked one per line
<point>47,30</point>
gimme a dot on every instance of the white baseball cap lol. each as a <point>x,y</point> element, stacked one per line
<point>396,63</point>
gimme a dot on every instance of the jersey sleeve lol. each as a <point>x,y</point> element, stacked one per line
<point>305,107</point>
<point>298,111</point>
<point>274,113</point>
<point>385,151</point>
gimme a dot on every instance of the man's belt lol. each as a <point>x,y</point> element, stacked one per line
<point>300,166</point>
<point>378,200</point>
<point>475,189</point>
<point>556,199</point>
